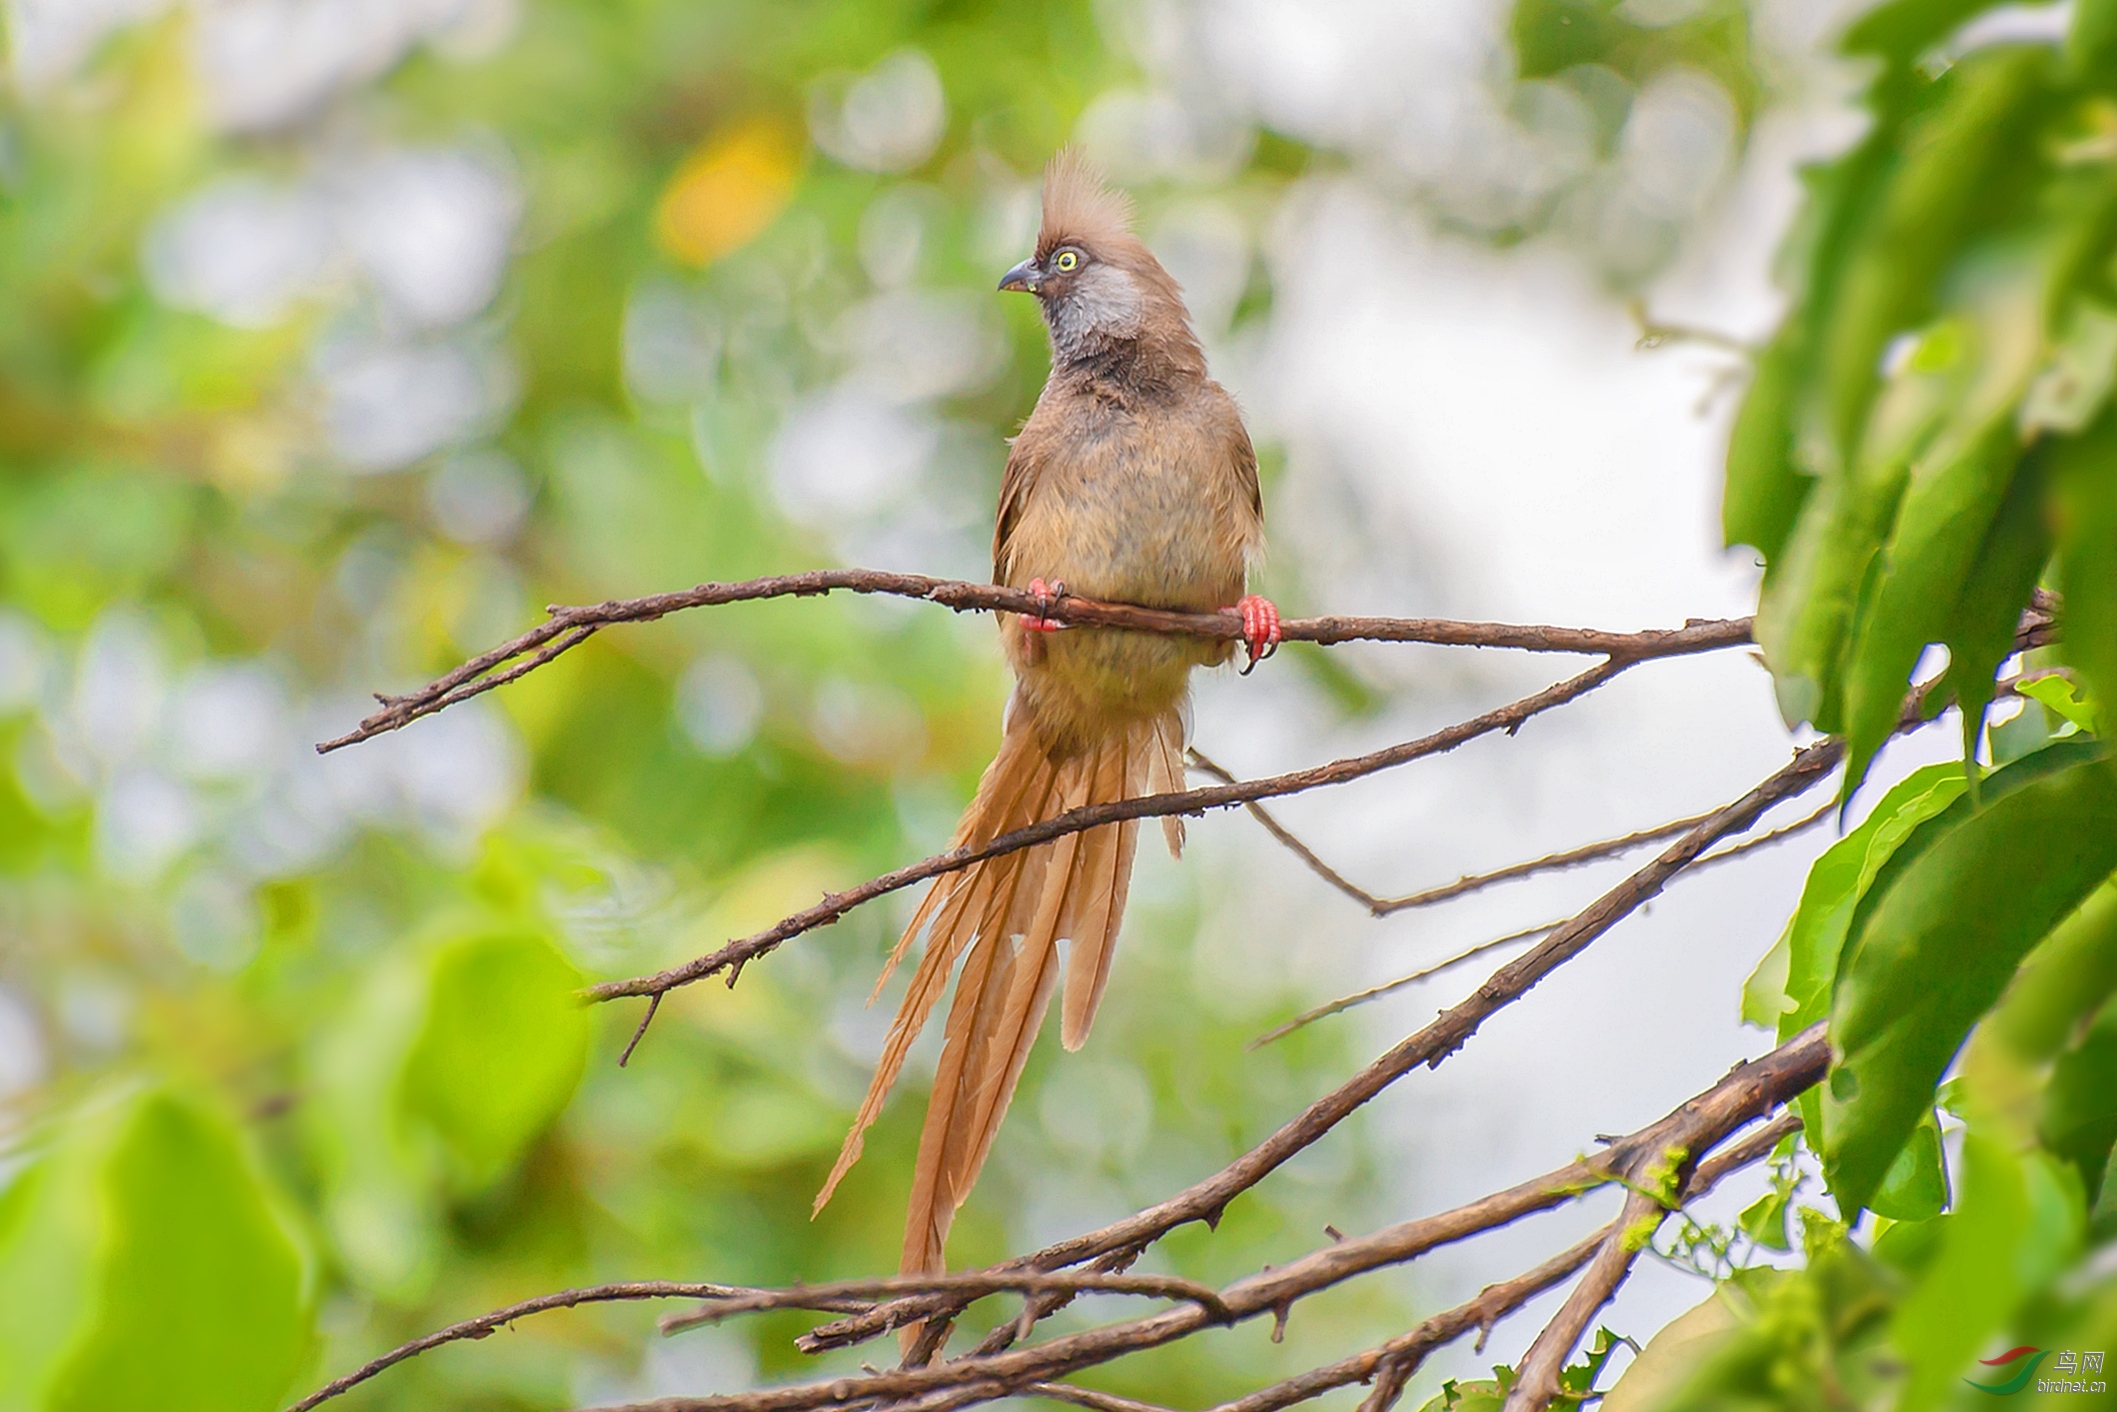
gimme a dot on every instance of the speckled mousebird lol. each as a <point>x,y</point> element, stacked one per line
<point>1133,481</point>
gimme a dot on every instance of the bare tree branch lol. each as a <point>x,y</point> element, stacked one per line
<point>1469,882</point>
<point>568,627</point>
<point>1404,1352</point>
<point>1205,1200</point>
<point>1749,1092</point>
<point>1347,1002</point>
<point>1536,1379</point>
<point>1658,1165</point>
<point>1393,1363</point>
<point>1090,1398</point>
<point>1361,997</point>
<point>975,1285</point>
<point>1204,764</point>
<point>1190,801</point>
<point>1779,835</point>
<point>485,1324</point>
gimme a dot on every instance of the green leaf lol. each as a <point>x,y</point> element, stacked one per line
<point>1837,880</point>
<point>2102,1216</point>
<point>1562,37</point>
<point>2084,475</point>
<point>1937,939</point>
<point>1981,629</point>
<point>2026,732</point>
<point>1764,999</point>
<point>1807,950</point>
<point>1916,1186</point>
<point>1944,522</point>
<point>381,1204</point>
<point>2093,37</point>
<point>2065,699</point>
<point>1769,1339</point>
<point>144,1263</point>
<point>1953,157</point>
<point>2064,980</point>
<point>501,1049</point>
<point>1770,474</point>
<point>1961,457</point>
<point>2073,389</point>
<point>1688,1341</point>
<point>1478,1395</point>
<point>1764,1220</point>
<point>2079,1120</point>
<point>1579,1378</point>
<point>1902,29</point>
<point>1910,1247</point>
<point>1764,491</point>
<point>1973,1281</point>
<point>1812,590</point>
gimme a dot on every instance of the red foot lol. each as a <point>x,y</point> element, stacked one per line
<point>1045,595</point>
<point>1260,628</point>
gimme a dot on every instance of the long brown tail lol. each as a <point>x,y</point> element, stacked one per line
<point>1009,914</point>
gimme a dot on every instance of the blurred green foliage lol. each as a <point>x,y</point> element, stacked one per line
<point>296,1068</point>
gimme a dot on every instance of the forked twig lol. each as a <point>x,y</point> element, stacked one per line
<point>1470,882</point>
<point>1361,997</point>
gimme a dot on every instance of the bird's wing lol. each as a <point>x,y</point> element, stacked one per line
<point>1026,461</point>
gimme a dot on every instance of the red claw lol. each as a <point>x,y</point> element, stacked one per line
<point>1260,628</point>
<point>1046,595</point>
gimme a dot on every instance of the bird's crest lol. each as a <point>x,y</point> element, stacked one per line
<point>1081,206</point>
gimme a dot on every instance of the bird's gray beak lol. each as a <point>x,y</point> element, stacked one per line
<point>1025,276</point>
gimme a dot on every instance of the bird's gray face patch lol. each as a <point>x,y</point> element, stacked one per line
<point>1102,305</point>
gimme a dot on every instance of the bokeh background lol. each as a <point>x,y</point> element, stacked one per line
<point>339,336</point>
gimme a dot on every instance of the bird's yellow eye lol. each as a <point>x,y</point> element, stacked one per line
<point>1067,262</point>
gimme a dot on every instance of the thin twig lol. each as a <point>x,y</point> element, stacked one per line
<point>1765,840</point>
<point>639,1032</point>
<point>567,627</point>
<point>1552,862</point>
<point>1090,1398</point>
<point>973,1285</point>
<point>1347,1002</point>
<point>485,1324</point>
<point>1205,765</point>
<point>1474,882</point>
<point>1043,1306</point>
<point>1470,882</point>
<point>1746,1151</point>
